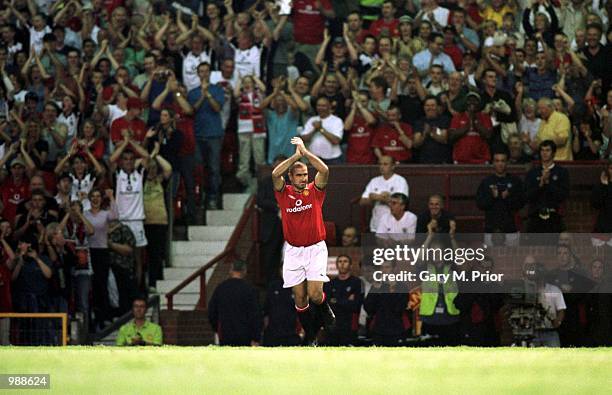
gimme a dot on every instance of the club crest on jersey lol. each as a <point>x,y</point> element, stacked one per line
<point>306,192</point>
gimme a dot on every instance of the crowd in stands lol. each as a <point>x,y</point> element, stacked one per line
<point>104,103</point>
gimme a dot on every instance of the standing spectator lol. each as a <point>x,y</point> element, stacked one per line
<point>431,134</point>
<point>129,195</point>
<point>597,55</point>
<point>83,180</point>
<point>601,199</point>
<point>247,56</point>
<point>193,60</point>
<point>15,187</point>
<point>309,24</point>
<point>345,298</point>
<point>282,119</point>
<point>207,101</point>
<point>393,138</point>
<point>552,301</point>
<point>499,105</point>
<point>359,127</point>
<point>98,250</point>
<point>324,132</point>
<point>251,128</point>
<point>470,131</point>
<point>555,126</point>
<point>547,189</point>
<point>540,79</point>
<point>500,196</point>
<point>386,304</point>
<point>233,310</point>
<point>121,246</point>
<point>130,125</point>
<point>433,55</point>
<point>379,189</point>
<point>387,23</point>
<point>434,14</point>
<point>227,78</point>
<point>140,331</point>
<point>54,133</point>
<point>280,318</point>
<point>158,170</point>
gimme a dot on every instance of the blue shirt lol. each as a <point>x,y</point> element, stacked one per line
<point>207,122</point>
<point>421,61</point>
<point>281,128</point>
<point>157,88</point>
<point>540,85</point>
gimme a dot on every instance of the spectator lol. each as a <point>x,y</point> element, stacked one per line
<point>398,224</point>
<point>601,199</point>
<point>499,105</point>
<point>345,298</point>
<point>387,23</point>
<point>393,138</point>
<point>469,131</point>
<point>432,55</point>
<point>431,134</point>
<point>540,79</point>
<point>500,196</point>
<point>98,250</point>
<point>130,125</point>
<point>379,189</point>
<point>280,318</point>
<point>586,141</point>
<point>83,180</point>
<point>15,186</point>
<point>140,331</point>
<point>547,189</point>
<point>386,305</point>
<point>434,14</point>
<point>359,127</point>
<point>436,218</point>
<point>349,237</point>
<point>6,269</point>
<point>251,128</point>
<point>597,54</point>
<point>555,126</point>
<point>121,245</point>
<point>282,119</point>
<point>233,310</point>
<point>516,150</point>
<point>207,101</point>
<point>323,133</point>
<point>37,217</point>
<point>309,24</point>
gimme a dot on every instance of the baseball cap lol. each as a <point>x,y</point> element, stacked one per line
<point>338,40</point>
<point>405,19</point>
<point>17,161</point>
<point>473,94</point>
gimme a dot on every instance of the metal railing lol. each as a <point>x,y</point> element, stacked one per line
<point>240,246</point>
<point>62,316</point>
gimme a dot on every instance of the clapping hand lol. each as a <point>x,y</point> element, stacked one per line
<point>300,147</point>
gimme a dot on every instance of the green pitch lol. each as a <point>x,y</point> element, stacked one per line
<point>214,370</point>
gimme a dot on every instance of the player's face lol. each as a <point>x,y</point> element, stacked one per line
<point>343,265</point>
<point>299,178</point>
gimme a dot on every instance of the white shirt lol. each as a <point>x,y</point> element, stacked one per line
<point>129,195</point>
<point>529,127</point>
<point>403,230</point>
<point>247,61</point>
<point>83,186</point>
<point>395,183</point>
<point>551,299</point>
<point>440,14</point>
<point>72,124</point>
<point>190,69</point>
<point>319,145</point>
<point>114,112</point>
<point>36,38</point>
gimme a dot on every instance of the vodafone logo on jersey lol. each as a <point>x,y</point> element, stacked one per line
<point>298,207</point>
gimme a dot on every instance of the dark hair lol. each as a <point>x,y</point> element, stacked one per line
<point>594,26</point>
<point>431,97</point>
<point>433,36</point>
<point>345,256</point>
<point>239,266</point>
<point>401,196</point>
<point>381,82</point>
<point>548,143</point>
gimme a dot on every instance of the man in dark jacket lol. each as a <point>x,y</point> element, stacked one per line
<point>233,310</point>
<point>280,318</point>
<point>500,196</point>
<point>345,298</point>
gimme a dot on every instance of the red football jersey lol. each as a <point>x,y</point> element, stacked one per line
<point>387,140</point>
<point>360,143</point>
<point>302,214</point>
<point>12,195</point>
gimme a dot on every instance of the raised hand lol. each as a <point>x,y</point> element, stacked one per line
<point>300,147</point>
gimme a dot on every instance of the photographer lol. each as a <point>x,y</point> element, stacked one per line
<point>139,331</point>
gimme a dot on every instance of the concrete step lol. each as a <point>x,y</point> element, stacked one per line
<point>210,233</point>
<point>181,273</point>
<point>191,262</point>
<point>223,217</point>
<point>197,248</point>
<point>235,201</point>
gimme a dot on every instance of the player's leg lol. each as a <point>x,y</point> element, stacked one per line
<point>318,299</point>
<point>305,312</point>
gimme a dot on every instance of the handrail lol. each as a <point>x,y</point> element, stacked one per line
<point>230,249</point>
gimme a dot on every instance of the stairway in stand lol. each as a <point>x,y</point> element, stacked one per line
<point>204,243</point>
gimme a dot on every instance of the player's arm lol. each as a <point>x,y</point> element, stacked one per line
<point>279,171</point>
<point>322,169</point>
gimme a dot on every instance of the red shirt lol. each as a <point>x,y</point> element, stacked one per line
<point>471,148</point>
<point>97,149</point>
<point>455,54</point>
<point>387,140</point>
<point>308,22</point>
<point>360,143</point>
<point>136,125</point>
<point>377,27</point>
<point>12,195</point>
<point>184,124</point>
<point>302,215</point>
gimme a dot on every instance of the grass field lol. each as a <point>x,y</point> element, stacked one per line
<point>214,370</point>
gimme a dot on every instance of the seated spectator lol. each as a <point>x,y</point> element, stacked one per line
<point>516,150</point>
<point>349,237</point>
<point>233,310</point>
<point>398,224</point>
<point>436,218</point>
<point>469,132</point>
<point>345,298</point>
<point>379,189</point>
<point>393,138</point>
<point>586,141</point>
<point>323,133</point>
<point>359,127</point>
<point>140,331</point>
